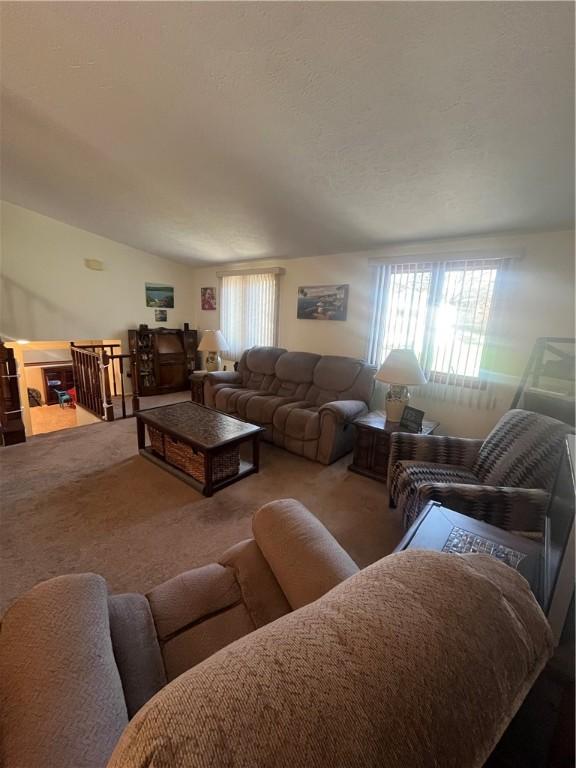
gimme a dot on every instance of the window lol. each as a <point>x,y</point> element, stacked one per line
<point>249,309</point>
<point>441,310</point>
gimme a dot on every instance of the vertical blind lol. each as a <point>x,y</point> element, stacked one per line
<point>248,315</point>
<point>445,312</point>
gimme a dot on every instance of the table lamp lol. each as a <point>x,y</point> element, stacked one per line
<point>400,370</point>
<point>213,342</point>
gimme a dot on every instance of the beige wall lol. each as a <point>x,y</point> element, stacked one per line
<point>541,303</point>
<point>48,293</point>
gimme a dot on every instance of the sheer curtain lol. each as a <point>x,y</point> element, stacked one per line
<point>248,311</point>
<point>447,312</point>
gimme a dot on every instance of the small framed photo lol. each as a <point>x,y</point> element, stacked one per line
<point>161,315</point>
<point>208,298</point>
<point>411,419</point>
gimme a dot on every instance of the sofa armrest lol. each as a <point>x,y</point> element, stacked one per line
<point>217,380</point>
<point>344,411</point>
<point>439,449</point>
<point>515,509</point>
<point>305,558</point>
<point>224,377</point>
<point>62,698</point>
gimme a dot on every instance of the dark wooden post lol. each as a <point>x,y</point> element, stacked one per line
<point>11,425</point>
<point>135,381</point>
<point>106,395</point>
<point>111,348</point>
<point>122,393</point>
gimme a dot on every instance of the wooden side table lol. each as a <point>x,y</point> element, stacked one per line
<point>372,444</point>
<point>197,386</point>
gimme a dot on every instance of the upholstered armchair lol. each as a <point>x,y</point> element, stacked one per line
<point>284,655</point>
<point>504,480</point>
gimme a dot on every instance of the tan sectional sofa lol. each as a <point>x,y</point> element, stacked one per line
<point>306,402</point>
<point>289,657</point>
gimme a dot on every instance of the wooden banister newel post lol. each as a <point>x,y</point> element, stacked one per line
<point>107,404</point>
<point>135,382</point>
<point>12,429</point>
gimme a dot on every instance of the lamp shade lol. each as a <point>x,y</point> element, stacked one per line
<point>212,341</point>
<point>401,367</point>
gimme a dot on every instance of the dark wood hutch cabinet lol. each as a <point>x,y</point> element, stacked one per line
<point>164,358</point>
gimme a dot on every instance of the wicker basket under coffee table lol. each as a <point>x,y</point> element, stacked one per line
<point>198,444</point>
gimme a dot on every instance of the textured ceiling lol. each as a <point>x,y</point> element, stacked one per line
<point>224,131</point>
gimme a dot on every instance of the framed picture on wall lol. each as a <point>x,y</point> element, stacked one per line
<point>161,315</point>
<point>158,295</point>
<point>322,302</point>
<point>208,298</point>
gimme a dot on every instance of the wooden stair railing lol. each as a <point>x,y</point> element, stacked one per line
<point>12,429</point>
<point>91,389</point>
<point>91,381</point>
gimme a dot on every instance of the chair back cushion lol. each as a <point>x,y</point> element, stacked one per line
<point>522,451</point>
<point>361,677</point>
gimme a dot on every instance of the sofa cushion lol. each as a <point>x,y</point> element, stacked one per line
<point>227,398</point>
<point>196,613</point>
<point>190,596</point>
<point>341,378</point>
<point>261,408</point>
<point>337,373</point>
<point>201,640</point>
<point>256,367</point>
<point>299,420</point>
<point>297,367</point>
<point>421,659</point>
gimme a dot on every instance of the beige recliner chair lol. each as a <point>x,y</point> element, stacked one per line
<point>420,659</point>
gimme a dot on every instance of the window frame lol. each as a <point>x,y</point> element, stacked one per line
<point>276,271</point>
<point>438,268</point>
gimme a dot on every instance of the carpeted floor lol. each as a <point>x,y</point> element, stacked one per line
<point>84,500</point>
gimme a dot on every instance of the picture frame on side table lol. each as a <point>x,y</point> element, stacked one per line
<point>411,419</point>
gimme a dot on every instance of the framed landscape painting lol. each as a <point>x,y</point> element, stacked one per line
<point>159,295</point>
<point>322,302</point>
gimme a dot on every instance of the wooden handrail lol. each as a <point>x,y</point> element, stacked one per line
<point>106,357</point>
<point>91,382</point>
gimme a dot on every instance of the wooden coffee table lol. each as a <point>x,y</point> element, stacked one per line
<point>198,444</point>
